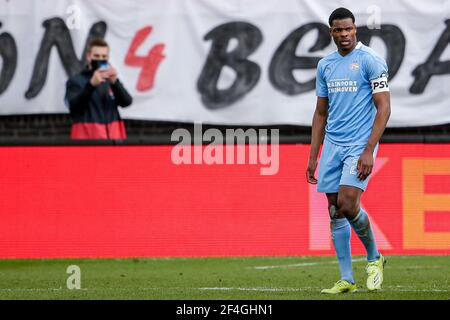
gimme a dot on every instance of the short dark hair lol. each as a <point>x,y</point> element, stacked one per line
<point>339,14</point>
<point>97,42</point>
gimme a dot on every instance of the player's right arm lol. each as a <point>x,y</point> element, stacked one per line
<point>317,136</point>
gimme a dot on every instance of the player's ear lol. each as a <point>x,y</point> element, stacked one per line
<point>356,28</point>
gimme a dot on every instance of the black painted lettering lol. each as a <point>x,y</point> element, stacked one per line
<point>285,60</point>
<point>249,38</point>
<point>58,35</point>
<point>8,54</point>
<point>432,66</point>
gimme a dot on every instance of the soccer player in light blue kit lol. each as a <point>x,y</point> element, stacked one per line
<point>353,108</point>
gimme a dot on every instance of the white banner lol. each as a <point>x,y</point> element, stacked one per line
<point>221,62</point>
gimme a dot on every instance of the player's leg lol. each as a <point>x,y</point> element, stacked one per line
<point>340,234</point>
<point>350,191</point>
<point>349,206</point>
<point>330,171</point>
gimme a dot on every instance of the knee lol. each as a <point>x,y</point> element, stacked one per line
<point>333,211</point>
<point>348,208</point>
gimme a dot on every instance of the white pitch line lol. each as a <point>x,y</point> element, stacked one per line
<point>309,289</point>
<point>39,290</point>
<point>415,267</point>
<point>304,264</point>
<point>399,289</point>
<point>260,289</point>
<point>386,289</point>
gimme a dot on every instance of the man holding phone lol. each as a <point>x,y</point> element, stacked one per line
<point>94,95</point>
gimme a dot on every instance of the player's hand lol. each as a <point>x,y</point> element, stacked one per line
<point>310,171</point>
<point>99,77</point>
<point>365,165</point>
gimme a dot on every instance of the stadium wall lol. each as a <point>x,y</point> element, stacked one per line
<point>51,129</point>
<point>133,201</point>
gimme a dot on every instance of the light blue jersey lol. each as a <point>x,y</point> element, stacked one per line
<point>349,82</point>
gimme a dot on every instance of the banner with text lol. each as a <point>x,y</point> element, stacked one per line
<point>221,62</point>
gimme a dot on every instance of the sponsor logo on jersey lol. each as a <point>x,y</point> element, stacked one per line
<point>335,86</point>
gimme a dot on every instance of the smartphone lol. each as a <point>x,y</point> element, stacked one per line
<point>99,65</point>
<point>103,65</point>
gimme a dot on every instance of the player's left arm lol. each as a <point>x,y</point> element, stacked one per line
<point>382,101</point>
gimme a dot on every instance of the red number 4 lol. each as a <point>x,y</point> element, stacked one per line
<point>149,64</point>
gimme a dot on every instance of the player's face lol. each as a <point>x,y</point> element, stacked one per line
<point>344,34</point>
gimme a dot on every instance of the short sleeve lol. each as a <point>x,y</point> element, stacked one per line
<point>321,84</point>
<point>375,67</point>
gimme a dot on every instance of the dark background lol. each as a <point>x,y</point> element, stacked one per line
<point>50,129</point>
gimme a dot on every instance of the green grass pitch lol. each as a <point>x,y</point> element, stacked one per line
<point>412,277</point>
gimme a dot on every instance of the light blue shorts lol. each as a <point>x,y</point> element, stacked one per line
<point>339,166</point>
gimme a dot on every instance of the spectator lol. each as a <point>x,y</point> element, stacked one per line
<point>94,95</point>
